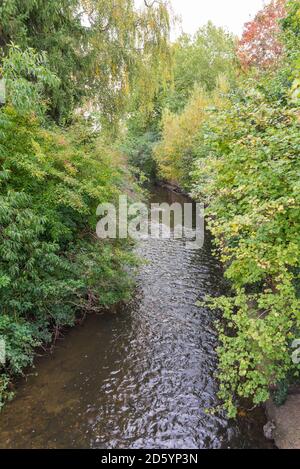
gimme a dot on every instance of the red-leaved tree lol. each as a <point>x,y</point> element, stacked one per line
<point>260,45</point>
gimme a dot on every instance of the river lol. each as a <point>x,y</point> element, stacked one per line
<point>139,378</point>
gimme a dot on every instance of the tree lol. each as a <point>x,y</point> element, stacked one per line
<point>239,155</point>
<point>99,49</point>
<point>55,28</point>
<point>291,28</point>
<point>55,56</point>
<point>130,54</point>
<point>200,60</point>
<point>199,63</point>
<point>260,45</point>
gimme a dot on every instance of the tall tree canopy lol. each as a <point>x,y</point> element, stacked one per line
<point>291,28</point>
<point>260,45</point>
<point>200,60</point>
<point>99,49</point>
<point>56,56</point>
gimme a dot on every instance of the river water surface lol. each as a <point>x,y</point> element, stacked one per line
<point>142,378</point>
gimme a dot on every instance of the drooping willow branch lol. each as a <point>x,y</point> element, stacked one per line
<point>150,4</point>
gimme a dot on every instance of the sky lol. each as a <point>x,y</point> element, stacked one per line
<point>231,14</point>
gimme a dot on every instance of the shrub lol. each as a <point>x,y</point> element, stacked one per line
<point>248,170</point>
<point>51,266</point>
<point>175,154</point>
<point>238,151</point>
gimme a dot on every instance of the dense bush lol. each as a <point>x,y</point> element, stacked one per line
<point>175,153</point>
<point>249,171</point>
<point>60,59</point>
<point>52,266</point>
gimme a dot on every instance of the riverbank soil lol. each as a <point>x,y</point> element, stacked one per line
<point>287,422</point>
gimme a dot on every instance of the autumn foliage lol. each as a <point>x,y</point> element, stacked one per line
<point>260,45</point>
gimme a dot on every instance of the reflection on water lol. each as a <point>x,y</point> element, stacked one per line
<point>143,378</point>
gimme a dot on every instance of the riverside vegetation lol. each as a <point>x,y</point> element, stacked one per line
<point>228,133</point>
<point>61,60</point>
<point>217,116</point>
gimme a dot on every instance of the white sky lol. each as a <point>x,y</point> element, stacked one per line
<point>231,14</point>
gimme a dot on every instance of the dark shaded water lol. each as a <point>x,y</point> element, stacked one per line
<point>142,378</point>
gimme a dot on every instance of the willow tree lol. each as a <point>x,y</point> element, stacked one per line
<point>55,28</point>
<point>101,50</point>
<point>129,52</point>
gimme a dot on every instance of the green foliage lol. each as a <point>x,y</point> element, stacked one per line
<point>5,393</point>
<point>139,150</point>
<point>51,266</point>
<point>27,78</point>
<point>57,57</point>
<point>54,28</point>
<point>102,51</point>
<point>142,135</point>
<point>249,172</point>
<point>239,152</point>
<point>291,38</point>
<point>175,154</point>
<point>199,61</point>
<point>280,394</point>
<point>199,65</point>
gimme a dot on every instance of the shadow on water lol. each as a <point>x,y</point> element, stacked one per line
<point>142,378</point>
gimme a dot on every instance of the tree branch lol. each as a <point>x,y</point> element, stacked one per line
<point>150,4</point>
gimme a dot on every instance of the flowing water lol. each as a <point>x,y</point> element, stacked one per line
<point>141,378</point>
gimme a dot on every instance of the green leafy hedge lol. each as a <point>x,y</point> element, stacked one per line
<point>52,267</point>
<point>250,176</point>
